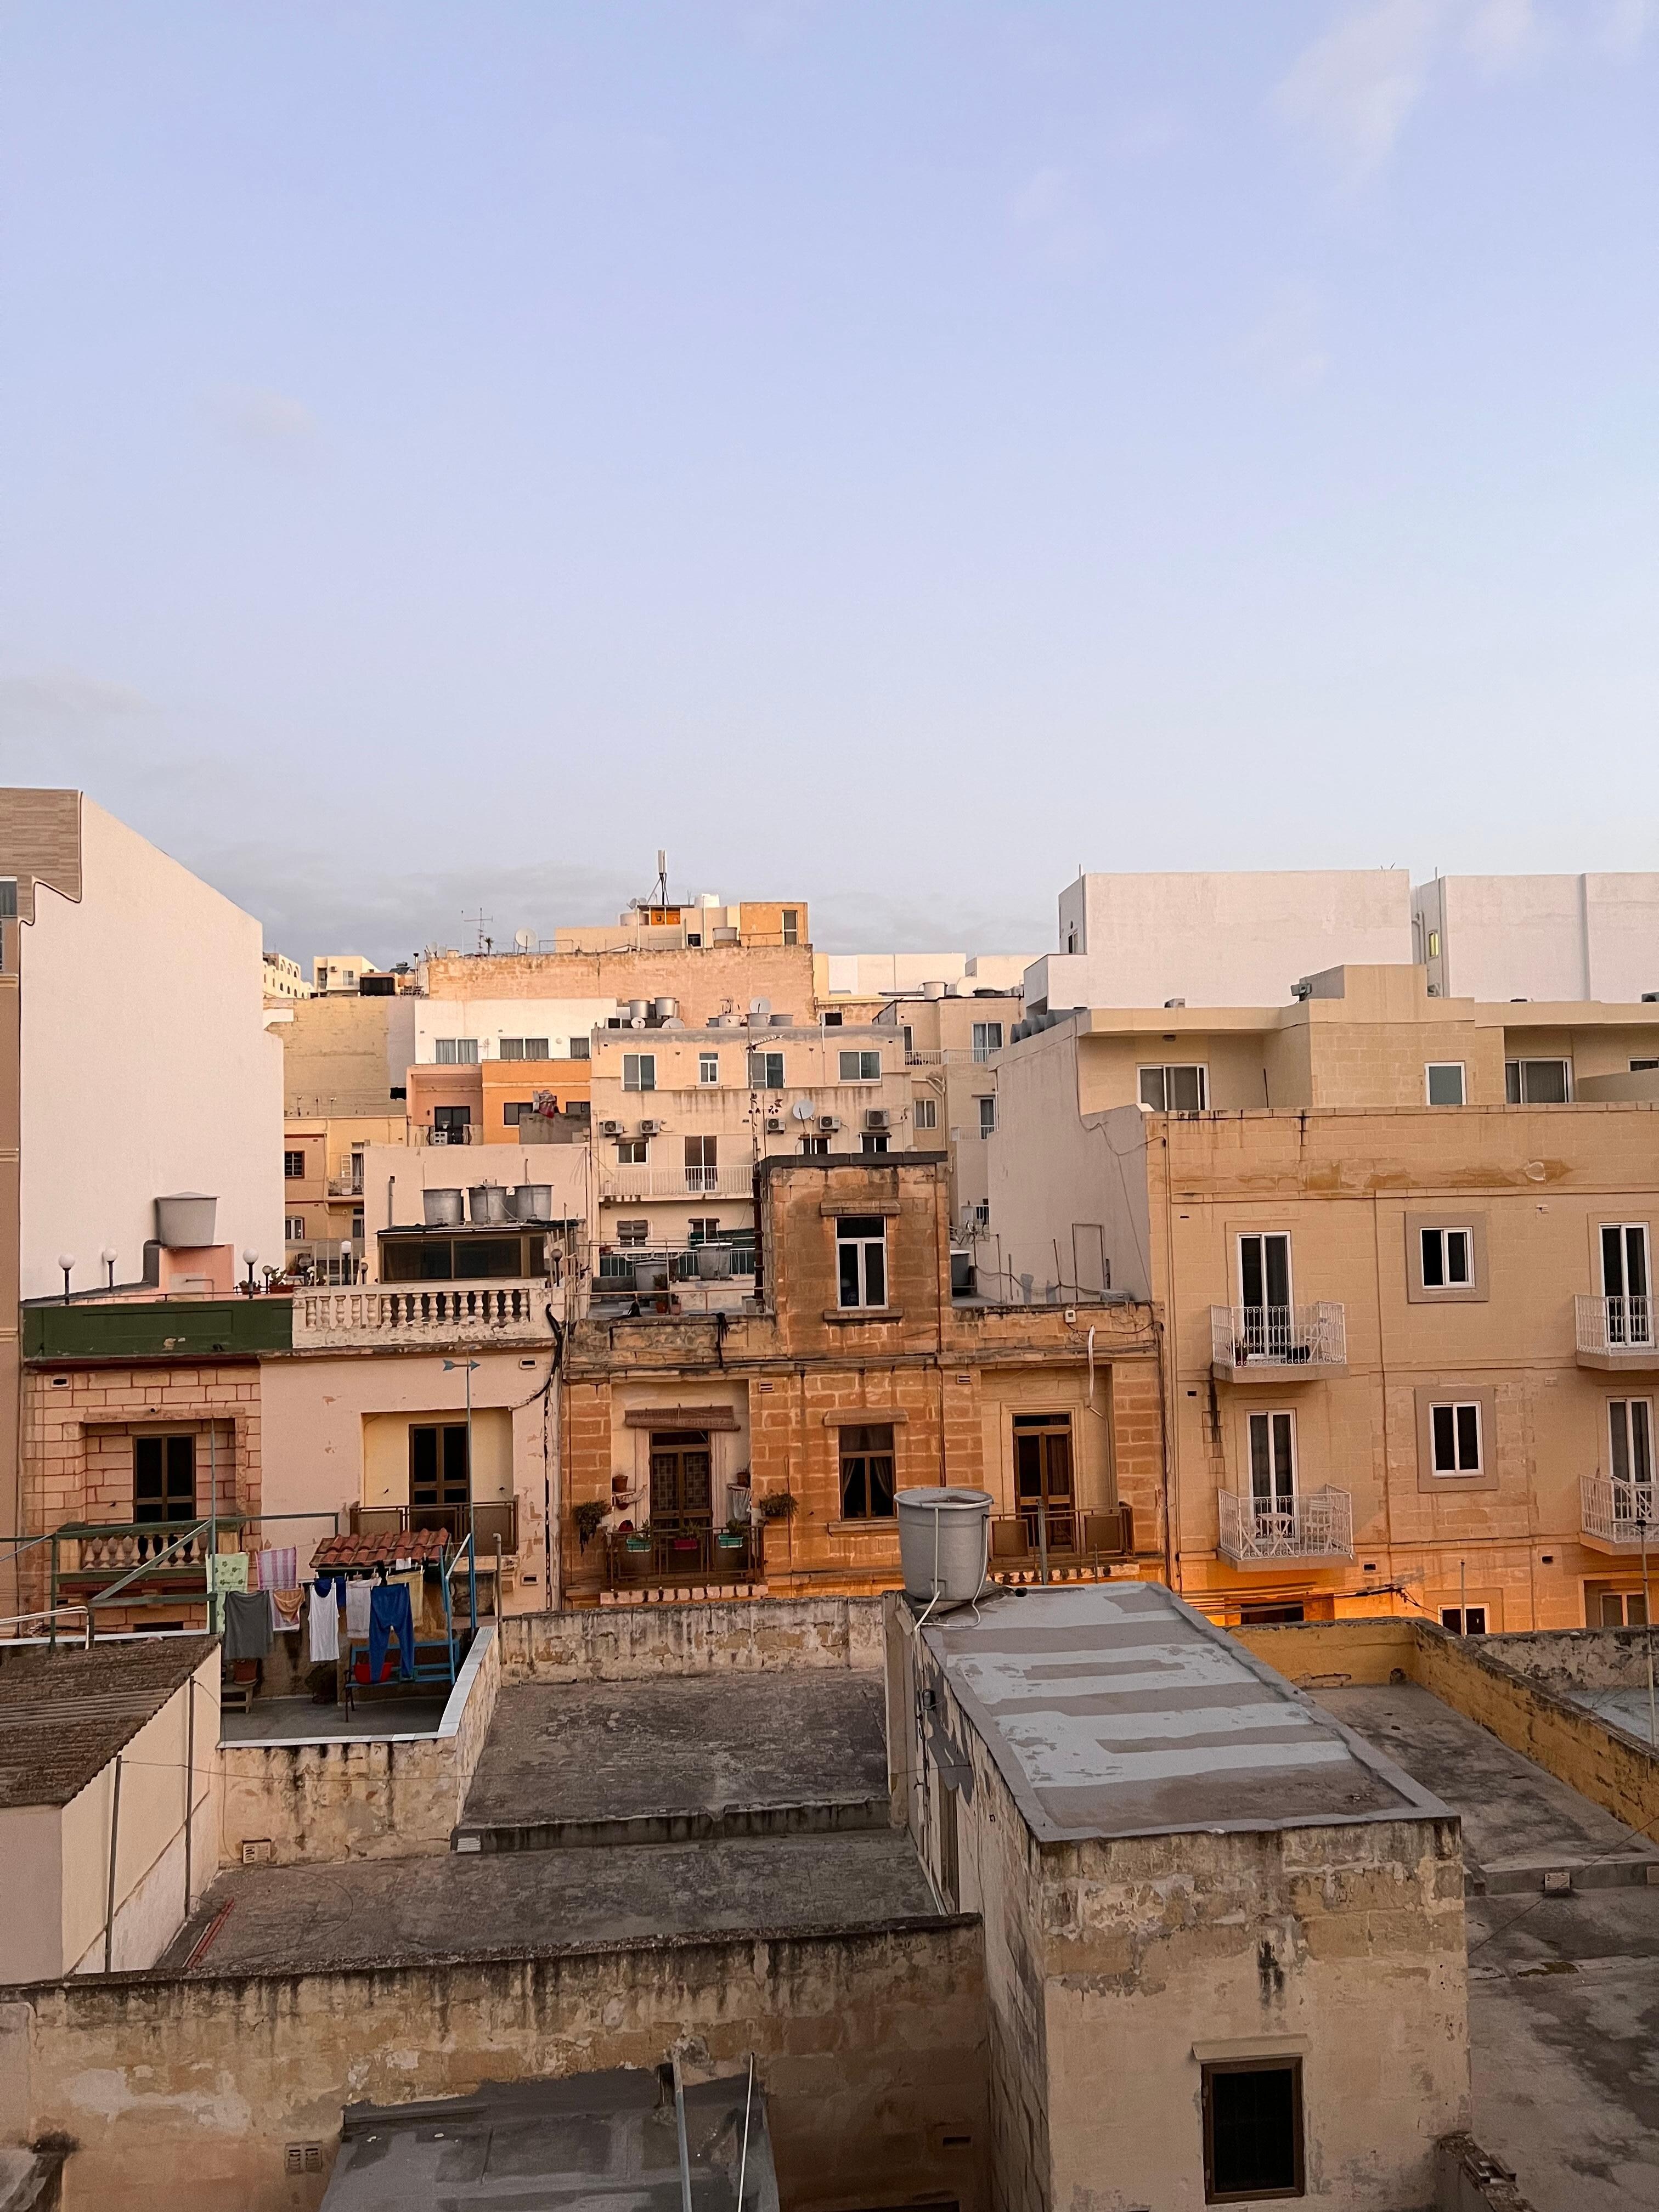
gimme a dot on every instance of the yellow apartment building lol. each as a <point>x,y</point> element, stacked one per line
<point>1401,1248</point>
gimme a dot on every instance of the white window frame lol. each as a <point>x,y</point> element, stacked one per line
<point>1251,1236</point>
<point>1281,1501</point>
<point>628,1146</point>
<point>1519,1065</point>
<point>762,1081</point>
<point>924,1112</point>
<point>1164,1071</point>
<point>519,1047</point>
<point>866,1068</point>
<point>1456,1618</point>
<point>294,1228</point>
<point>1637,1435</point>
<point>708,1067</point>
<point>455,1052</point>
<point>1433,1068</point>
<point>984,1043</point>
<point>1632,1323</point>
<point>1458,1472</point>
<point>987,1122</point>
<point>638,1071</point>
<point>864,1247</point>
<point>1439,1237</point>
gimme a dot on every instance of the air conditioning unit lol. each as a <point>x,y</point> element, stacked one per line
<point>651,1128</point>
<point>611,1128</point>
<point>829,1123</point>
<point>775,1125</point>
<point>877,1118</point>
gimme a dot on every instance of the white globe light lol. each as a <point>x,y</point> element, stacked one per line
<point>109,1255</point>
<point>249,1255</point>
<point>66,1261</point>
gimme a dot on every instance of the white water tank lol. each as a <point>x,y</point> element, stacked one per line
<point>945,1544</point>
<point>184,1219</point>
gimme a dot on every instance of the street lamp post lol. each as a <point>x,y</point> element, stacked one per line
<point>450,1366</point>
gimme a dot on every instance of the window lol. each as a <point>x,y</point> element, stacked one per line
<point>708,1067</point>
<point>451,1125</point>
<point>1273,1467</point>
<point>1043,1490</point>
<point>702,1229</point>
<point>1264,1293</point>
<point>987,1039</point>
<point>1434,944</point>
<point>835,1019</point>
<point>357,1227</point>
<point>294,1166</point>
<point>437,1464</point>
<point>1252,2130</point>
<point>455,1052</point>
<point>294,1228</point>
<point>7,898</point>
<point>630,1234</point>
<point>866,1472</point>
<point>164,1478</point>
<point>1537,1082</point>
<point>815,1148</point>
<point>581,1047</point>
<point>1176,1090</point>
<point>925,1113</point>
<point>512,1108</point>
<point>872,1144</point>
<point>1630,1457</point>
<point>860,1067</point>
<point>1623,1609</point>
<point>1464,1619</point>
<point>632,1151</point>
<point>988,1116</point>
<point>1643,1067</point>
<point>638,1071</point>
<point>1445,1082</point>
<point>792,925</point>
<point>982,1213</point>
<point>766,1071</point>
<point>1625,1284</point>
<point>524,1048</point>
<point>1454,1430</point>
<point>1447,1259</point>
<point>861,1259</point>
<point>702,1169</point>
<point>909,1036</point>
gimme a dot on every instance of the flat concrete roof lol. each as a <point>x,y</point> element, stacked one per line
<point>323,1919</point>
<point>1117,1710</point>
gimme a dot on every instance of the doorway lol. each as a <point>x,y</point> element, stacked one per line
<point>1264,1293</point>
<point>682,1483</point>
<point>1624,1282</point>
<point>1044,1487</point>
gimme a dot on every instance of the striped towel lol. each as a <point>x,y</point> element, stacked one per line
<point>279,1569</point>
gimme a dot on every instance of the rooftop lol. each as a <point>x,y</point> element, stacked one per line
<point>1120,1711</point>
<point>65,1713</point>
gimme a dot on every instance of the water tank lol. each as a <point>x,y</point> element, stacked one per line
<point>933,990</point>
<point>533,1201</point>
<point>443,1208</point>
<point>945,1544</point>
<point>665,1009</point>
<point>781,1022</point>
<point>650,1277</point>
<point>713,1263</point>
<point>184,1219</point>
<point>487,1203</point>
<point>638,1009</point>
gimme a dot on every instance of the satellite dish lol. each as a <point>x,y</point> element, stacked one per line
<point>805,1110</point>
<point>525,939</point>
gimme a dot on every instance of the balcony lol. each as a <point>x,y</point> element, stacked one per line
<point>381,1315</point>
<point>1615,1333</point>
<point>494,1520</point>
<point>349,1185</point>
<point>1074,1541</point>
<point>1611,1516</point>
<point>1278,1344</point>
<point>632,1182</point>
<point>1318,1526</point>
<point>683,1559</point>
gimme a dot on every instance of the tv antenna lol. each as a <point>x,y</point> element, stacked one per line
<point>486,944</point>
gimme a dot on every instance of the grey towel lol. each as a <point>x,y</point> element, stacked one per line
<point>247,1625</point>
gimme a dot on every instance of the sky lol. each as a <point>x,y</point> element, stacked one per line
<point>891,456</point>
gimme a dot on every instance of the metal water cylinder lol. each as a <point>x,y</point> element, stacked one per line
<point>533,1201</point>
<point>487,1204</point>
<point>945,1544</point>
<point>442,1208</point>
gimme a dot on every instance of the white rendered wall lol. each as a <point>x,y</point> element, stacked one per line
<point>489,1020</point>
<point>1221,939</point>
<point>147,1067</point>
<point>1546,938</point>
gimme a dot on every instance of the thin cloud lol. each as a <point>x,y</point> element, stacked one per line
<point>1504,34</point>
<point>1625,26</point>
<point>1050,214</point>
<point>1355,86</point>
<point>270,425</point>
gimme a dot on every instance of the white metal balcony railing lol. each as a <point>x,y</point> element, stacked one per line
<point>677,1182</point>
<point>346,1185</point>
<point>1617,1512</point>
<point>1318,1526</point>
<point>1613,1325</point>
<point>1283,1337</point>
<point>501,1312</point>
<point>953,1055</point>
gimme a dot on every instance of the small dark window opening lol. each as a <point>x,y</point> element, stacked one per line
<point>164,1478</point>
<point>866,1472</point>
<point>1252,2130</point>
<point>437,1465</point>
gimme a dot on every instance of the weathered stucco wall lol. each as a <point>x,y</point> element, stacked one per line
<point>181,2095</point>
<point>399,1798</point>
<point>1473,1676</point>
<point>751,1636</point>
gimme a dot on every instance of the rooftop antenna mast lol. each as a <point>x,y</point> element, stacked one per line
<point>661,898</point>
<point>483,919</point>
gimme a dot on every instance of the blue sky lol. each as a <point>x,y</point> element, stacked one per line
<point>888,454</point>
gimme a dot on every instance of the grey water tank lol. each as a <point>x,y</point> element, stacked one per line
<point>781,1022</point>
<point>945,1544</point>
<point>638,1009</point>
<point>650,1277</point>
<point>443,1208</point>
<point>533,1201</point>
<point>487,1203</point>
<point>713,1263</point>
<point>665,1009</point>
<point>183,1219</point>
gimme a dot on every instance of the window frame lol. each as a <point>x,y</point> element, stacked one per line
<point>1441,1235</point>
<point>1456,1407</point>
<point>924,1111</point>
<point>172,1507</point>
<point>708,1068</point>
<point>987,1122</point>
<point>852,1236</point>
<point>1278,1500</point>
<point>1433,1068</point>
<point>455,1052</point>
<point>868,1067</point>
<point>1291,2063</point>
<point>643,1078</point>
<point>633,1151</point>
<point>760,1061</point>
<point>291,1171</point>
<point>983,1043</point>
<point>1456,1618</point>
<point>294,1228</point>
<point>1632,1479</point>
<point>848,1458</point>
<point>1515,1081</point>
<point>1164,1070</point>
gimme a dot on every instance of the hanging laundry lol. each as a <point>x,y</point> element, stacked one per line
<point>279,1567</point>
<point>247,1625</point>
<point>390,1615</point>
<point>286,1606</point>
<point>357,1602</point>
<point>226,1570</point>
<point>323,1622</point>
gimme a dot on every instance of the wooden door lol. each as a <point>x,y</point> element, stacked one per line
<point>681,1481</point>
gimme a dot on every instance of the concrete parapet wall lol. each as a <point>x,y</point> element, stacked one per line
<point>1476,1678</point>
<point>747,1636</point>
<point>325,1800</point>
<point>869,2046</point>
<point>1576,1658</point>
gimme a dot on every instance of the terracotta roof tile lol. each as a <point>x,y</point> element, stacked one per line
<point>384,1548</point>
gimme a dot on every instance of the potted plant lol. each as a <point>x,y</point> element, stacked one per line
<point>777,1505</point>
<point>732,1537</point>
<point>587,1519</point>
<point>640,1541</point>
